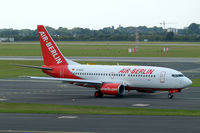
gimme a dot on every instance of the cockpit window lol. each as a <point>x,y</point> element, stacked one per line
<point>177,75</point>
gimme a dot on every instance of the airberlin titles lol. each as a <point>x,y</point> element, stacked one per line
<point>51,48</point>
<point>136,71</point>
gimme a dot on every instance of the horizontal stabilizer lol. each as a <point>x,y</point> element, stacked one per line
<point>30,66</point>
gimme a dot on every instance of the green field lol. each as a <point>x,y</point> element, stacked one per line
<point>8,70</point>
<point>31,49</point>
<point>195,83</point>
<point>99,110</point>
<point>101,42</point>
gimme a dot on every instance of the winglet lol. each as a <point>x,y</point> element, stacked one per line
<point>51,53</point>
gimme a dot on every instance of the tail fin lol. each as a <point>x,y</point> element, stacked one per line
<point>50,51</point>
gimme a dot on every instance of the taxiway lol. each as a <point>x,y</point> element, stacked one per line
<point>111,59</point>
<point>44,92</point>
<point>53,123</point>
<point>22,90</point>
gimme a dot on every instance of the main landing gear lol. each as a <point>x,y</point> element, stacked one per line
<point>98,94</point>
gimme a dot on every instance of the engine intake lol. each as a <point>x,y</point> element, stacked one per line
<point>112,89</point>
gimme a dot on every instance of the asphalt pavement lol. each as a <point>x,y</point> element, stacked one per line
<point>22,90</point>
<point>111,59</point>
<point>45,92</point>
<point>54,123</point>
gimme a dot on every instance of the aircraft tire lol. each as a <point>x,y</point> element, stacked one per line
<point>98,94</point>
<point>170,96</point>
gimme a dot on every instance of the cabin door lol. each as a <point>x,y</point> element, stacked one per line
<point>162,77</point>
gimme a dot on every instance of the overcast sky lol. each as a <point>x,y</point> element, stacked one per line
<point>96,14</point>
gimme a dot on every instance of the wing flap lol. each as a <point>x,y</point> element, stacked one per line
<point>74,81</point>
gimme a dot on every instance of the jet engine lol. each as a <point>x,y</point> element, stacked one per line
<point>112,89</point>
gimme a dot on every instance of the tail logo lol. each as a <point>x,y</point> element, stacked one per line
<point>50,47</point>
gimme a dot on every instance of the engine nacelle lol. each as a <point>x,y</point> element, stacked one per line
<point>113,89</point>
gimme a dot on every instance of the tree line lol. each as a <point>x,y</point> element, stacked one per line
<point>190,33</point>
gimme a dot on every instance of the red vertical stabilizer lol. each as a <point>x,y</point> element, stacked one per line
<point>51,53</point>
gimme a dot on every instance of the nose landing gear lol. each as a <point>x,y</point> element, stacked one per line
<point>170,95</point>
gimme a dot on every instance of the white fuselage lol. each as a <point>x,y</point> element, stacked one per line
<point>133,76</point>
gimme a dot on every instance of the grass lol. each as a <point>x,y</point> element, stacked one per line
<point>105,63</point>
<point>102,42</point>
<point>99,110</point>
<point>10,71</point>
<point>7,70</point>
<point>195,83</point>
<point>31,49</point>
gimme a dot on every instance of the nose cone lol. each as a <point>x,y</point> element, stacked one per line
<point>186,82</point>
<point>189,82</point>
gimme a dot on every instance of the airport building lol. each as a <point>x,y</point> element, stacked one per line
<point>7,39</point>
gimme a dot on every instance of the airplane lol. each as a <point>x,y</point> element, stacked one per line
<point>106,79</point>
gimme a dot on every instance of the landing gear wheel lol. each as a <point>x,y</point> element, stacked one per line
<point>98,94</point>
<point>170,96</point>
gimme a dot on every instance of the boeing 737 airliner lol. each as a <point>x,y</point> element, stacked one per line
<point>107,79</point>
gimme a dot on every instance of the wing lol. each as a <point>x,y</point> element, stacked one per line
<point>79,82</point>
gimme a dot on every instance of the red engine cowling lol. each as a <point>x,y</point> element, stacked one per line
<point>112,89</point>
